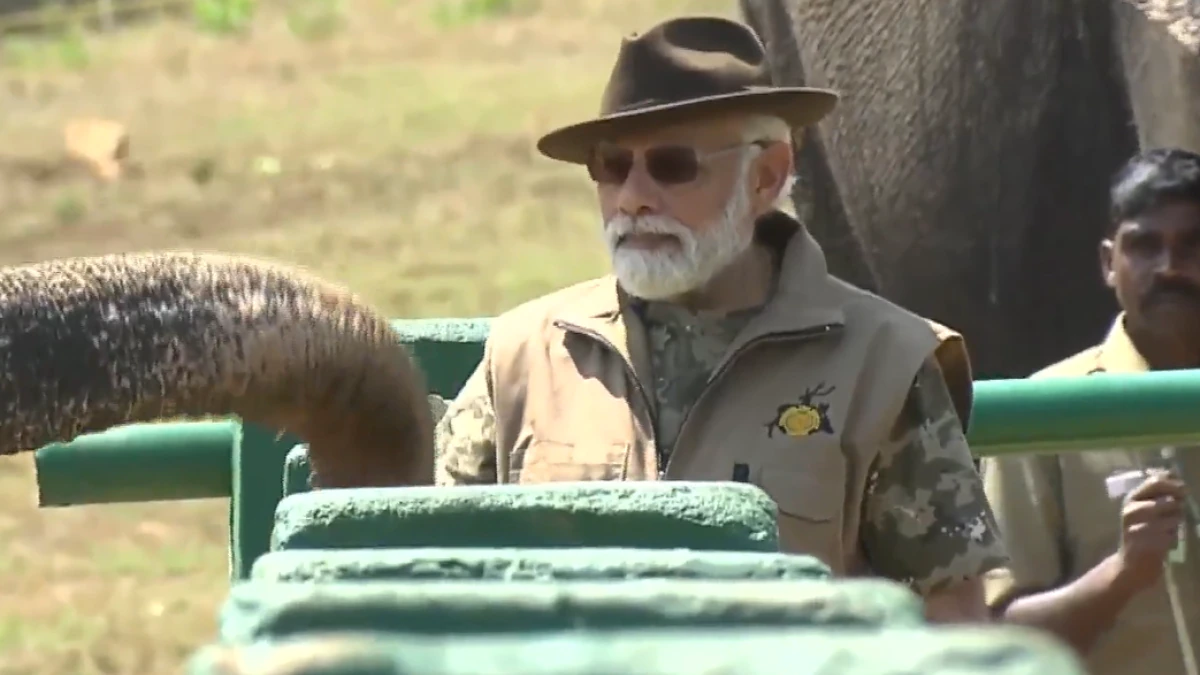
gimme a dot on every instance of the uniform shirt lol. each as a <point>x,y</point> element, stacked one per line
<point>1055,514</point>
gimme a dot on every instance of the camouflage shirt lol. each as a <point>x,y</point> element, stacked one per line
<point>684,350</point>
<point>465,437</point>
<point>926,521</point>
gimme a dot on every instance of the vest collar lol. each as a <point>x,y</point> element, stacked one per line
<point>806,296</point>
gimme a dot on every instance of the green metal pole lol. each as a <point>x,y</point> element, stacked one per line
<point>139,463</point>
<point>1095,412</point>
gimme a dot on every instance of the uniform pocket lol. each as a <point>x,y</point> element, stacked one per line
<point>555,462</point>
<point>810,505</point>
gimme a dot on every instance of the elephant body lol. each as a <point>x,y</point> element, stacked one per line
<point>965,173</point>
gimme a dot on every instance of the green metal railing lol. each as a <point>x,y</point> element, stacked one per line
<point>178,461</point>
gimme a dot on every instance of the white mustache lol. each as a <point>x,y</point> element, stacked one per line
<point>622,226</point>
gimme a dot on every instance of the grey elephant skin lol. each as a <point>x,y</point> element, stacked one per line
<point>965,173</point>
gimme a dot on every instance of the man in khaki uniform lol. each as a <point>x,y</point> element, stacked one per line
<point>721,349</point>
<point>1085,566</point>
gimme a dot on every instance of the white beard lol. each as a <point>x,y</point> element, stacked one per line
<point>671,272</point>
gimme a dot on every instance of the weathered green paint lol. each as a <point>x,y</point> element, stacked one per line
<point>269,611</point>
<point>993,650</point>
<point>513,564</point>
<point>745,651</point>
<point>699,516</point>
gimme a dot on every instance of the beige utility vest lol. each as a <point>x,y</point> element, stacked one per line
<point>800,404</point>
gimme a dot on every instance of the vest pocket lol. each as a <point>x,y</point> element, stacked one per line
<point>810,510</point>
<point>556,462</point>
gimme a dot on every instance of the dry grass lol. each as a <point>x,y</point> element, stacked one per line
<point>395,156</point>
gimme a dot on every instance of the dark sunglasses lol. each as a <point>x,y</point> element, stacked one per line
<point>666,164</point>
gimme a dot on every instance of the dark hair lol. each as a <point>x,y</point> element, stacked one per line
<point>1151,179</point>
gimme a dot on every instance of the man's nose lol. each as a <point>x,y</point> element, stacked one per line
<point>1174,260</point>
<point>638,194</point>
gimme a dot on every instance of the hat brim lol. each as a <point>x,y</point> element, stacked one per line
<point>798,106</point>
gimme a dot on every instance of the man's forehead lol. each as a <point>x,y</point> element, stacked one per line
<point>699,132</point>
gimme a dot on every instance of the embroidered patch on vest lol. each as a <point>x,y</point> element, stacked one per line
<point>805,416</point>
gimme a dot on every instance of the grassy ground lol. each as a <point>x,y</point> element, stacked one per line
<point>394,155</point>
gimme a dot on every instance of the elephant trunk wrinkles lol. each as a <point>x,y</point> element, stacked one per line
<point>91,343</point>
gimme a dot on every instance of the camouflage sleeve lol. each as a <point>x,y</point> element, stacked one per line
<point>926,521</point>
<point>465,438</point>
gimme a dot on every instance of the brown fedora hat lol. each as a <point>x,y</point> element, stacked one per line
<point>682,68</point>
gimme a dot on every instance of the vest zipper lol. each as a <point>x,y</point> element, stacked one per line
<point>789,336</point>
<point>637,384</point>
<point>799,335</point>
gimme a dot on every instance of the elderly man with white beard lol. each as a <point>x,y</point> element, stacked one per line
<point>722,349</point>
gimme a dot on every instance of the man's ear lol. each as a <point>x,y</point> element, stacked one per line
<point>1106,263</point>
<point>774,167</point>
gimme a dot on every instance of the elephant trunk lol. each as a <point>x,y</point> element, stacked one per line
<point>91,343</point>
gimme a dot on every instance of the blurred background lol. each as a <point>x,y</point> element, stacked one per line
<point>385,144</point>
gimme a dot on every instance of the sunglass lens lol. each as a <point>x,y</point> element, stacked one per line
<point>672,165</point>
<point>610,165</point>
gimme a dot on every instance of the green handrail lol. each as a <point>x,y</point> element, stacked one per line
<point>139,463</point>
<point>179,461</point>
